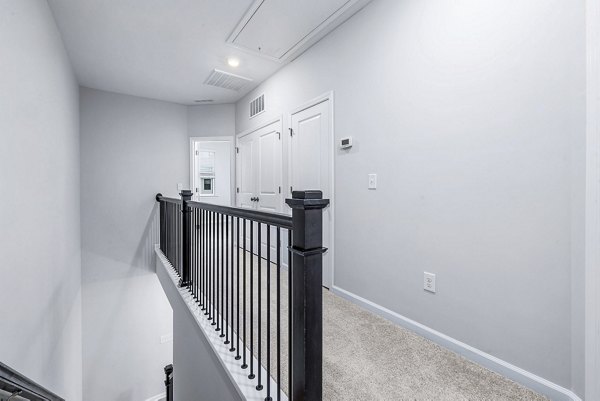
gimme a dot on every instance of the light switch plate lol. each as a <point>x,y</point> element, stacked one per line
<point>429,282</point>
<point>167,338</point>
<point>372,181</point>
<point>179,187</point>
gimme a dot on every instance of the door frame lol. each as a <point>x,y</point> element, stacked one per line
<point>327,96</point>
<point>251,131</point>
<point>592,212</point>
<point>232,166</point>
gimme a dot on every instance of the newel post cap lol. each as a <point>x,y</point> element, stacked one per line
<point>309,199</point>
<point>186,194</point>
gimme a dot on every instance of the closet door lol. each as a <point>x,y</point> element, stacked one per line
<point>246,172</point>
<point>259,172</point>
<point>269,180</point>
<point>268,174</point>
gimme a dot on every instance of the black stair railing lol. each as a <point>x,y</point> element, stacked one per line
<point>231,261</point>
<point>19,387</point>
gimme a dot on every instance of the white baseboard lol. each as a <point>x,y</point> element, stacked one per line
<point>158,397</point>
<point>521,376</point>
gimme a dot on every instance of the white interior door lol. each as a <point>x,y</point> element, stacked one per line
<point>246,172</point>
<point>260,174</point>
<point>311,167</point>
<point>269,179</point>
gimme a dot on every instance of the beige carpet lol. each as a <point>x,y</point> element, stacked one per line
<point>369,358</point>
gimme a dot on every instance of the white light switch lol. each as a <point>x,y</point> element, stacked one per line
<point>372,181</point>
<point>429,282</point>
<point>179,187</point>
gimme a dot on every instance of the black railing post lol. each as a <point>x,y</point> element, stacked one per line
<point>306,344</point>
<point>169,382</point>
<point>186,196</point>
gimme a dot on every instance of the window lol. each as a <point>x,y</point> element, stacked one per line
<point>207,172</point>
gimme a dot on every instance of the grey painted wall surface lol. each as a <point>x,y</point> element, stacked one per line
<point>197,372</point>
<point>211,120</point>
<point>39,213</point>
<point>472,114</point>
<point>131,148</point>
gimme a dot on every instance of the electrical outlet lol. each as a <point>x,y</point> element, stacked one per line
<point>429,282</point>
<point>167,338</point>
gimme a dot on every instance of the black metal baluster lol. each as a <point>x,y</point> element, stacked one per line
<point>226,250</point>
<point>259,246</point>
<point>244,364</point>
<point>195,252</point>
<point>214,269</point>
<point>222,282</point>
<point>201,257</point>
<point>231,264</point>
<point>172,231</point>
<point>217,272</point>
<point>237,287</point>
<point>268,313</point>
<point>206,255</point>
<point>278,314</point>
<point>177,251</point>
<point>209,266</point>
<point>251,375</point>
<point>168,238</point>
<point>175,237</point>
<point>290,358</point>
<point>191,251</point>
<point>167,228</point>
<point>198,233</point>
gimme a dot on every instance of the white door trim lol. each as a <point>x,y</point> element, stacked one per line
<point>592,213</point>
<point>254,129</point>
<point>233,143</point>
<point>328,96</point>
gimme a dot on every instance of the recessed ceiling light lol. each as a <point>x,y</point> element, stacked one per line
<point>204,101</point>
<point>233,62</point>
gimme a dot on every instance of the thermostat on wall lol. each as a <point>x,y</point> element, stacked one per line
<point>346,143</point>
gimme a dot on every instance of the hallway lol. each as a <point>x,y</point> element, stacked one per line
<point>368,357</point>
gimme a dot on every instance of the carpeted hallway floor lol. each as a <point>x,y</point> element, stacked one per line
<point>369,358</point>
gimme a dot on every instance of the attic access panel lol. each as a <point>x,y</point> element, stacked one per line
<point>277,29</point>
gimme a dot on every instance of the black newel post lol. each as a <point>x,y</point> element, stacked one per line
<point>307,295</point>
<point>186,196</point>
<point>169,382</point>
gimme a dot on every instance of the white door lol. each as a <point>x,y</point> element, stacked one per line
<point>246,172</point>
<point>311,166</point>
<point>259,177</point>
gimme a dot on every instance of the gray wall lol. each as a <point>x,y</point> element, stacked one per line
<point>198,373</point>
<point>211,120</point>
<point>40,298</point>
<point>131,148</point>
<point>472,114</point>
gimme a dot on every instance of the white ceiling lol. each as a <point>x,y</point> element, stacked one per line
<point>165,49</point>
<point>160,49</point>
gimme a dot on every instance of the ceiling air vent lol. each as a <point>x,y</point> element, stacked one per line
<point>257,105</point>
<point>222,79</point>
